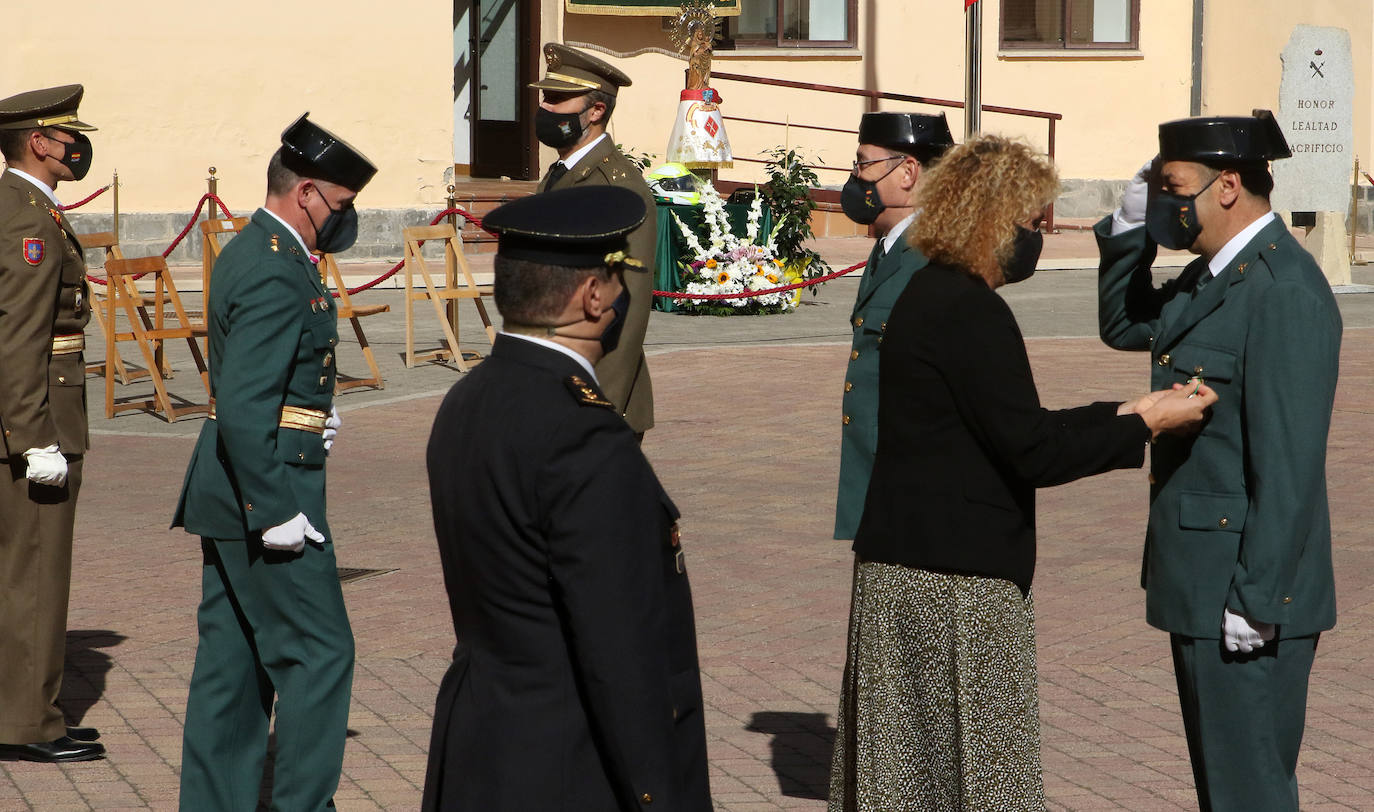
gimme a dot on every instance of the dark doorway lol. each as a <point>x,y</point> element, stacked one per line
<point>505,46</point>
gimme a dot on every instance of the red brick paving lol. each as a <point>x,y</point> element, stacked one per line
<point>746,445</point>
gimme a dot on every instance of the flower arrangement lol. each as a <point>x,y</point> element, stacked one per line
<point>730,264</point>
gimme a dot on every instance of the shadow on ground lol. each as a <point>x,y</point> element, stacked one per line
<point>800,750</point>
<point>83,682</point>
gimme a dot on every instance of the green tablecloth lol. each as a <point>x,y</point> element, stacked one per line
<point>670,244</point>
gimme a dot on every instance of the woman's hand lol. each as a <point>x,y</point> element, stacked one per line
<point>1180,410</point>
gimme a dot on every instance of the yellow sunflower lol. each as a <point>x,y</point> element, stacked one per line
<point>722,277</point>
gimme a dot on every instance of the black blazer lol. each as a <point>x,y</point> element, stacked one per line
<point>574,685</point>
<point>963,441</point>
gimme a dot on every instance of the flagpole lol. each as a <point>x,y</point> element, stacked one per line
<point>973,67</point>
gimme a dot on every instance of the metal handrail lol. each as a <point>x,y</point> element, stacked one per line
<point>1049,117</point>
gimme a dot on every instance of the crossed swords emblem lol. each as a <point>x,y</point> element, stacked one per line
<point>1317,69</point>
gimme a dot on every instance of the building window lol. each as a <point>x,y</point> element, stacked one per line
<point>791,24</point>
<point>1070,24</point>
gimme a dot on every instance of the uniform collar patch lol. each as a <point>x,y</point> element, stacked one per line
<point>585,393</point>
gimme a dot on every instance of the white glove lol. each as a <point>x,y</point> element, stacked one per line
<point>331,428</point>
<point>291,535</point>
<point>1239,634</point>
<point>1131,213</point>
<point>47,466</point>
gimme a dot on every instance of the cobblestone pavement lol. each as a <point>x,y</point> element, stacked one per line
<point>748,422</point>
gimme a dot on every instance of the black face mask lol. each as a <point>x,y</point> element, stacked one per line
<point>339,230</point>
<point>77,156</point>
<point>611,338</point>
<point>860,200</point>
<point>1025,252</point>
<point>558,130</point>
<point>1171,219</point>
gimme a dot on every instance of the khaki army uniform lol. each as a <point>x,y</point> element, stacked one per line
<point>624,372</point>
<point>44,307</point>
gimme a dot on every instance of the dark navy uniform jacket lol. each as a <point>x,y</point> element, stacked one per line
<point>574,684</point>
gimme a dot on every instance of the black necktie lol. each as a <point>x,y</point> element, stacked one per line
<point>556,172</point>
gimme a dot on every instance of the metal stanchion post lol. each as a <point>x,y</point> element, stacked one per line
<point>114,187</point>
<point>450,266</point>
<point>213,184</point>
<point>1354,209</point>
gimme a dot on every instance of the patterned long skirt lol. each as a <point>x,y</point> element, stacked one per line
<point>939,711</point>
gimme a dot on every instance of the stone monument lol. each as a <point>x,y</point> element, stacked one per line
<point>1316,100</point>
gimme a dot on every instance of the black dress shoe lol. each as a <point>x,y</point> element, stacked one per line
<point>83,734</point>
<point>63,749</point>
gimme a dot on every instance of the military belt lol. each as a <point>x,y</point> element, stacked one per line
<point>68,344</point>
<point>296,417</point>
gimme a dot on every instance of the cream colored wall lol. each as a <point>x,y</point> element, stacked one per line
<point>1241,66</point>
<point>177,88</point>
<point>1110,103</point>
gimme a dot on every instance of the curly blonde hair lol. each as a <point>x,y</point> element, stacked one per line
<point>972,201</point>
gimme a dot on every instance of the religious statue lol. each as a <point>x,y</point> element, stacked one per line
<point>698,139</point>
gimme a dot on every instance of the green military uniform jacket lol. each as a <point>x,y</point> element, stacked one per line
<point>624,373</point>
<point>1238,512</point>
<point>883,281</point>
<point>273,335</point>
<point>43,295</point>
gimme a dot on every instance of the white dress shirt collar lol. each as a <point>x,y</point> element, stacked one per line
<point>891,238</point>
<point>36,182</point>
<point>572,159</point>
<point>1232,247</point>
<point>554,345</point>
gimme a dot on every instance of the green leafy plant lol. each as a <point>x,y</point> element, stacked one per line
<point>788,196</point>
<point>643,160</point>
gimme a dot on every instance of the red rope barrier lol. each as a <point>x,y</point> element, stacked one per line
<point>398,266</point>
<point>751,293</point>
<point>78,204</point>
<point>175,242</point>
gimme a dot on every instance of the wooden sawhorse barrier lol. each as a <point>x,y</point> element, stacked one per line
<point>458,285</point>
<point>347,310</point>
<point>123,294</point>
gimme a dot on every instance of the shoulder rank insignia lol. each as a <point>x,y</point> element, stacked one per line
<point>275,247</point>
<point>585,393</point>
<point>33,250</point>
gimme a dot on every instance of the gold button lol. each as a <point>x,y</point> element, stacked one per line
<point>300,455</point>
<point>848,386</point>
<point>853,356</point>
<point>332,340</point>
<point>324,379</point>
<point>859,322</point>
<point>1224,522</point>
<point>880,341</point>
<point>883,327</point>
<point>61,378</point>
<point>1164,360</point>
<point>1273,247</point>
<point>249,506</point>
<point>7,432</point>
<point>846,420</point>
<point>1287,599</point>
<point>1197,370</point>
<point>647,798</point>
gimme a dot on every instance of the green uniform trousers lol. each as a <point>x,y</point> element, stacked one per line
<point>270,623</point>
<point>1243,715</point>
<point>36,523</point>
